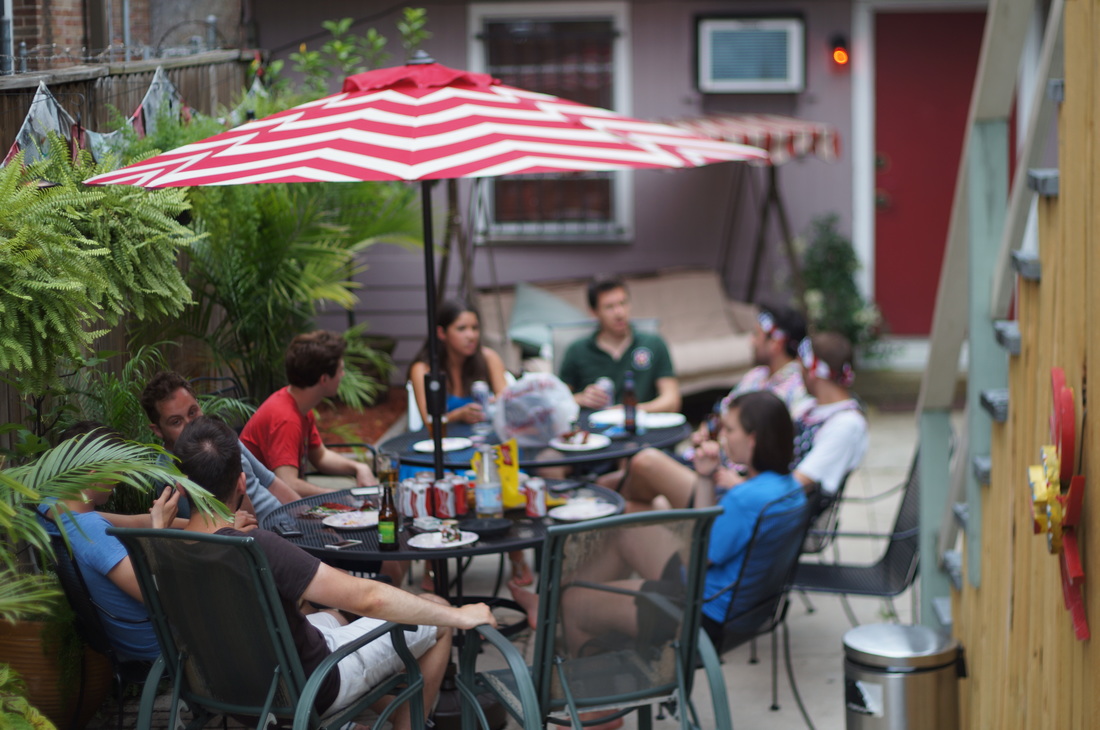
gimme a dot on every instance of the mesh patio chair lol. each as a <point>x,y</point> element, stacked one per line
<point>226,648</point>
<point>90,628</point>
<point>894,571</point>
<point>759,598</point>
<point>823,528</point>
<point>614,673</point>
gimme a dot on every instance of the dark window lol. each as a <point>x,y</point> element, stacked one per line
<point>571,59</point>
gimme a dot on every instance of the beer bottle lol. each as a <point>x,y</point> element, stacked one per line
<point>387,520</point>
<point>630,403</point>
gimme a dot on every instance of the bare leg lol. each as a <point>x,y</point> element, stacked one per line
<point>642,550</point>
<point>654,473</point>
<point>395,570</point>
<point>433,665</point>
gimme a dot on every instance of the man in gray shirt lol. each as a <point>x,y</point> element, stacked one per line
<point>170,404</point>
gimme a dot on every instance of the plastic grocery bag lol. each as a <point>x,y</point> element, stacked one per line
<point>534,409</point>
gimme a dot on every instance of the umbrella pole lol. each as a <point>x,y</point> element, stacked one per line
<point>433,385</point>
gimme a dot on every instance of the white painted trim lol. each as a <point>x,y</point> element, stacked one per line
<point>619,13</point>
<point>863,144</point>
<point>863,120</point>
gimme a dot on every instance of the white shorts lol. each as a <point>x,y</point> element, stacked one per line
<point>374,662</point>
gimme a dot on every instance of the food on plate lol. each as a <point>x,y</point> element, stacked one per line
<point>327,508</point>
<point>449,532</point>
<point>576,437</point>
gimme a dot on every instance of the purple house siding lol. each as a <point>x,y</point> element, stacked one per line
<point>680,216</point>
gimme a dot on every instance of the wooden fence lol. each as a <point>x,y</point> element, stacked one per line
<point>207,81</point>
<point>1027,669</point>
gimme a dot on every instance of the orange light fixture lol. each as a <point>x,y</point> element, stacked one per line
<point>839,47</point>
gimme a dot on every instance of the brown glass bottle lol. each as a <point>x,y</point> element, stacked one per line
<point>387,520</point>
<point>630,403</point>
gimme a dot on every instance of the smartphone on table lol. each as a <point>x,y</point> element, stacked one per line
<point>343,544</point>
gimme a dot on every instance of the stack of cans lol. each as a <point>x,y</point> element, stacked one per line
<point>415,500</point>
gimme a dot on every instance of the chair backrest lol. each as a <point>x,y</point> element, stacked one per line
<point>89,624</point>
<point>758,597</point>
<point>581,565</point>
<point>218,619</point>
<point>902,556</point>
<point>826,519</point>
<point>563,334</point>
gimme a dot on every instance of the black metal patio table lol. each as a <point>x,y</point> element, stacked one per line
<point>525,532</point>
<point>531,457</point>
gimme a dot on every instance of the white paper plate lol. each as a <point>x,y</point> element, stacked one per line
<point>578,510</point>
<point>595,441</point>
<point>614,417</point>
<point>434,541</point>
<point>451,443</point>
<point>662,420</point>
<point>352,520</point>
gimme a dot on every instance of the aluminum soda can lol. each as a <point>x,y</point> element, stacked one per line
<point>607,385</point>
<point>443,492</point>
<point>419,499</point>
<point>480,392</point>
<point>535,488</point>
<point>459,483</point>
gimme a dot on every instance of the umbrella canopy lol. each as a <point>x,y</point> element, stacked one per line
<point>425,121</point>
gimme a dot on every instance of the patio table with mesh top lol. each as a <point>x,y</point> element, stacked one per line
<point>533,457</point>
<point>525,532</point>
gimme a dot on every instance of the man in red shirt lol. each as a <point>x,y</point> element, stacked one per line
<point>282,433</point>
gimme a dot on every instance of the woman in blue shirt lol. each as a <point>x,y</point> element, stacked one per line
<point>756,431</point>
<point>463,361</point>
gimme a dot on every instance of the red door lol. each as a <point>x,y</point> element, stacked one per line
<point>925,66</point>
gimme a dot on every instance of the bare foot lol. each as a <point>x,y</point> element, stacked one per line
<point>527,600</point>
<point>609,725</point>
<point>521,572</point>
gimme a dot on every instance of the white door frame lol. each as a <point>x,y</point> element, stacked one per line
<point>907,353</point>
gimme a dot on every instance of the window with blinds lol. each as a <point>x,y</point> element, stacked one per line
<point>574,58</point>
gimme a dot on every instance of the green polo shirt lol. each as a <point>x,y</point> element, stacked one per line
<point>648,357</point>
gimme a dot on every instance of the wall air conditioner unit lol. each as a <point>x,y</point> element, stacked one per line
<point>751,55</point>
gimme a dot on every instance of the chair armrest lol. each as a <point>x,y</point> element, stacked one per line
<point>313,685</point>
<point>467,671</point>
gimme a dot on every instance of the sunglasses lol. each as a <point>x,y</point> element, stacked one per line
<point>820,368</point>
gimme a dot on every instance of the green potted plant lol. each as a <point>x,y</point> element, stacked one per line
<point>29,595</point>
<point>833,300</point>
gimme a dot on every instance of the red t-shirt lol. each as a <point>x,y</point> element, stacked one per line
<point>279,435</point>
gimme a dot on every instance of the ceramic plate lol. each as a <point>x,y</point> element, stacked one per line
<point>452,443</point>
<point>577,510</point>
<point>352,520</point>
<point>434,541</point>
<point>595,441</point>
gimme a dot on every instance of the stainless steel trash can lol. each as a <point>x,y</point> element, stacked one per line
<point>901,678</point>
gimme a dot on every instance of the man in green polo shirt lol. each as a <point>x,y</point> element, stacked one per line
<point>615,348</point>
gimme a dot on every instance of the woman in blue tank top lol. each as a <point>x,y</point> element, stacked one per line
<point>463,361</point>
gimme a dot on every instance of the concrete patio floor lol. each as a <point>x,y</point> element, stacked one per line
<point>815,637</point>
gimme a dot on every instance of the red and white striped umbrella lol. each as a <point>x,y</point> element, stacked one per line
<point>423,122</point>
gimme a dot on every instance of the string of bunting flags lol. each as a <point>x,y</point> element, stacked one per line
<point>162,98</point>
